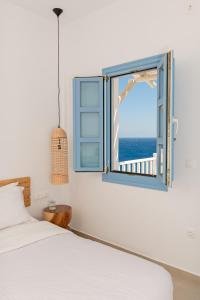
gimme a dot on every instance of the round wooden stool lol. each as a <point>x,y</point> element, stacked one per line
<point>61,216</point>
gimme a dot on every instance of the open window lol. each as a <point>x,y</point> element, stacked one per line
<point>134,123</point>
<point>130,107</point>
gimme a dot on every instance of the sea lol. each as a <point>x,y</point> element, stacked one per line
<point>136,148</point>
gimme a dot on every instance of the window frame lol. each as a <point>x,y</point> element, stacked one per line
<point>152,182</point>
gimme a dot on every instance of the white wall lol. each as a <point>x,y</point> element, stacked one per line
<point>148,222</point>
<point>28,98</point>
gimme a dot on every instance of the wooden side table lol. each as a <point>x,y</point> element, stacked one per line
<point>61,216</point>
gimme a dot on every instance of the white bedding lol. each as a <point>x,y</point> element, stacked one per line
<point>40,261</point>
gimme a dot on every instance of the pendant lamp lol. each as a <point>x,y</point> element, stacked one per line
<point>59,144</point>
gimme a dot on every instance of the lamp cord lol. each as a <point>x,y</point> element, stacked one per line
<point>58,72</point>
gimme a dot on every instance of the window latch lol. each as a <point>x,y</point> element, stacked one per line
<point>175,122</point>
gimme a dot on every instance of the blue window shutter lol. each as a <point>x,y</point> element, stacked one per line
<point>88,100</point>
<point>162,121</point>
<point>165,134</point>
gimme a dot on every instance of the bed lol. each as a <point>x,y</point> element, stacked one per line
<point>41,261</point>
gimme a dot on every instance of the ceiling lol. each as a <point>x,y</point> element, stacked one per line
<point>73,9</point>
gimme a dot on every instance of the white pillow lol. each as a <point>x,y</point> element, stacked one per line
<point>12,209</point>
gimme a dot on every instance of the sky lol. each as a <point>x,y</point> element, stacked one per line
<point>138,111</point>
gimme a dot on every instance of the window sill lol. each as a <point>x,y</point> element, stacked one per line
<point>134,180</point>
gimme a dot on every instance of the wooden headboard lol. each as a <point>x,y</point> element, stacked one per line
<point>22,181</point>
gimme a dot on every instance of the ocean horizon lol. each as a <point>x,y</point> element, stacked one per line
<point>136,148</point>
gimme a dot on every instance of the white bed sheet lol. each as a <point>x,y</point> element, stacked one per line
<point>46,262</point>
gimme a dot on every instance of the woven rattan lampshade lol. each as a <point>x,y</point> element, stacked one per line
<point>59,146</point>
<point>59,154</point>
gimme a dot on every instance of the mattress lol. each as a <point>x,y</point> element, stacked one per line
<point>40,261</point>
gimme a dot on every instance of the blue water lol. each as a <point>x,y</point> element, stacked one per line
<point>136,148</point>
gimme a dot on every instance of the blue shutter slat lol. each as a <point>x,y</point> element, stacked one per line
<point>172,86</point>
<point>88,99</point>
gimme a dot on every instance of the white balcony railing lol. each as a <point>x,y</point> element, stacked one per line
<point>146,166</point>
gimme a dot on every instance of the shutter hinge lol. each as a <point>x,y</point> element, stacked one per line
<point>106,77</point>
<point>107,169</point>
